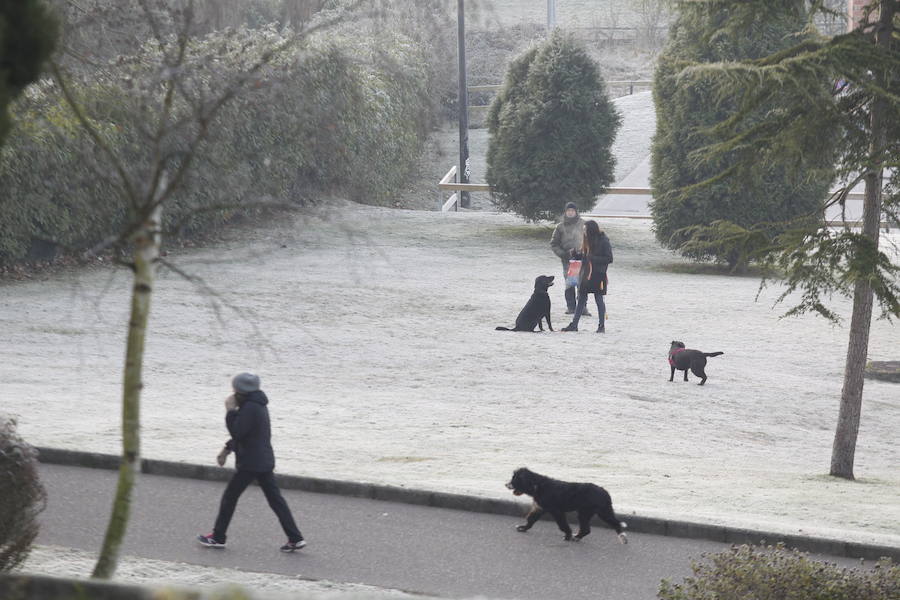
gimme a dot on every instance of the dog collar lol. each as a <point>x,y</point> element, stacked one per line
<point>673,353</point>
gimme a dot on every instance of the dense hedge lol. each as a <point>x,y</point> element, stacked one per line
<point>774,573</point>
<point>347,111</point>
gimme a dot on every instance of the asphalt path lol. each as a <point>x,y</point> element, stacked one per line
<point>414,548</point>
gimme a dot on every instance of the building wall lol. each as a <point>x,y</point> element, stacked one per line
<point>856,8</point>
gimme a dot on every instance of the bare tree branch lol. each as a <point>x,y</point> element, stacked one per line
<point>128,186</point>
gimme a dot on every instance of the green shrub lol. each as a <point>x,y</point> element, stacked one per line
<point>346,111</point>
<point>552,127</point>
<point>691,188</point>
<point>22,496</point>
<point>774,573</point>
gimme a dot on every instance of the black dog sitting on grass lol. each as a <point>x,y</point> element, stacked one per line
<point>536,309</point>
<point>682,358</point>
<point>559,497</point>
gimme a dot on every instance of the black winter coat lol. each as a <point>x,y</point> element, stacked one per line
<point>592,278</point>
<point>251,434</point>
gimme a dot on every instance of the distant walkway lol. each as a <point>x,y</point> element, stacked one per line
<point>632,150</point>
<point>429,550</point>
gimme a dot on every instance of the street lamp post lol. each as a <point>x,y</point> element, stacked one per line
<point>464,170</point>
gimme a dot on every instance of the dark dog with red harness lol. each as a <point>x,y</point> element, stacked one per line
<point>682,358</point>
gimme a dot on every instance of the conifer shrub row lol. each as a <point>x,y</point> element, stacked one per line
<point>347,111</point>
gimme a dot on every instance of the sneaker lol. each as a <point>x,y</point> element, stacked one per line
<point>209,541</point>
<point>586,313</point>
<point>601,329</point>
<point>291,546</point>
<point>569,327</point>
<point>570,311</point>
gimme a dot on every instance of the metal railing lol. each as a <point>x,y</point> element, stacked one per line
<point>449,183</point>
<point>493,87</point>
<point>445,185</point>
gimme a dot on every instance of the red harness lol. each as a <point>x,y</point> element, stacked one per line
<point>672,355</point>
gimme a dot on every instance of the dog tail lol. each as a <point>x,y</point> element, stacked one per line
<point>503,329</point>
<point>712,353</point>
<point>608,515</point>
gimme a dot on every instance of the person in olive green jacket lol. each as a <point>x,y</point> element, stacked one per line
<point>566,241</point>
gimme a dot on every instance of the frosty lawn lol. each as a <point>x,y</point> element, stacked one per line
<point>70,562</point>
<point>373,331</point>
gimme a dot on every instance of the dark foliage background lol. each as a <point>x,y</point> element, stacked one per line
<point>27,37</point>
<point>692,188</point>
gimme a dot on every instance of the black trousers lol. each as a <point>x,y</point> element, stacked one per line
<point>239,482</point>
<point>582,305</point>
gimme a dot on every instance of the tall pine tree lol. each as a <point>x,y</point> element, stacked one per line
<point>691,190</point>
<point>814,260</point>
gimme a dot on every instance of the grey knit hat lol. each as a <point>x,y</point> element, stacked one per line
<point>571,205</point>
<point>245,383</point>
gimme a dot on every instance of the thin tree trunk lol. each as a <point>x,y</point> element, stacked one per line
<point>146,253</point>
<point>844,448</point>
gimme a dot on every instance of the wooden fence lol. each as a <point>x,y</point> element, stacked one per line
<point>477,112</point>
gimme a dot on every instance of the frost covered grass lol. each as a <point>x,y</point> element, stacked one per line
<point>70,562</point>
<point>373,331</point>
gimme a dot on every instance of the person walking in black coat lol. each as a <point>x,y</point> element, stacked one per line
<point>247,420</point>
<point>596,256</point>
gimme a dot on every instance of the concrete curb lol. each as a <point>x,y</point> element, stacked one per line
<point>636,523</point>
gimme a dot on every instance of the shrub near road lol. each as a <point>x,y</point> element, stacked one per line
<point>21,496</point>
<point>775,573</point>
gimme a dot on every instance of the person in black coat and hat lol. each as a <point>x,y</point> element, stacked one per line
<point>247,420</point>
<point>596,256</point>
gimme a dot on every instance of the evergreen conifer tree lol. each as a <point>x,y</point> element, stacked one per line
<point>687,112</point>
<point>814,260</point>
<point>551,132</point>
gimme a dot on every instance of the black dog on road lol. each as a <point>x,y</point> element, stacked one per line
<point>559,497</point>
<point>536,309</point>
<point>682,358</point>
